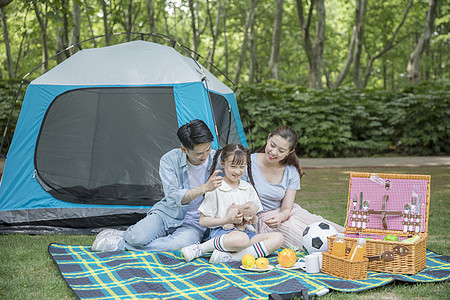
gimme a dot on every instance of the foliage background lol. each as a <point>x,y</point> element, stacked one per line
<point>350,122</point>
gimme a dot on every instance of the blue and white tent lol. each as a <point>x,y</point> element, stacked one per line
<point>91,132</point>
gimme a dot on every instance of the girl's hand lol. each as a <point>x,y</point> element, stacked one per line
<point>233,216</point>
<point>274,221</point>
<point>213,182</point>
<point>239,218</point>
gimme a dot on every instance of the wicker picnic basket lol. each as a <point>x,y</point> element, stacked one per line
<point>344,268</point>
<point>398,204</point>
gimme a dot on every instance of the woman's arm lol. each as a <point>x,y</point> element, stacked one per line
<point>286,204</point>
<point>285,210</point>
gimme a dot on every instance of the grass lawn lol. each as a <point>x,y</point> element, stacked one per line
<point>28,272</point>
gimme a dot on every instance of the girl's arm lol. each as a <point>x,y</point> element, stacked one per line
<point>211,222</point>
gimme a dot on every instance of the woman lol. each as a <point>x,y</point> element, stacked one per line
<point>277,173</point>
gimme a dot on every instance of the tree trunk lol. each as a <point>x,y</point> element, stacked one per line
<point>75,32</point>
<point>128,18</point>
<point>105,23</point>
<point>225,36</point>
<point>62,32</point>
<point>360,13</point>
<point>250,20</point>
<point>314,52</point>
<point>413,67</point>
<point>252,46</point>
<point>151,17</point>
<point>276,39</point>
<point>387,48</point>
<point>6,40</point>
<point>42,20</point>
<point>3,3</point>
<point>214,29</point>
<point>195,30</point>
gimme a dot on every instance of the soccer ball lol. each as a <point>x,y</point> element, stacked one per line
<point>315,236</point>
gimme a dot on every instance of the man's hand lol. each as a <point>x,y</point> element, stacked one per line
<point>213,182</point>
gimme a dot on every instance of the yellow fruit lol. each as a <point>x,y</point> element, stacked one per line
<point>262,263</point>
<point>287,258</point>
<point>248,261</point>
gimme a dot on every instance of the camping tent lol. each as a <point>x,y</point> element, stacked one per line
<point>91,132</point>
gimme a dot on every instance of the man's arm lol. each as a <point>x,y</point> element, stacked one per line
<point>213,182</point>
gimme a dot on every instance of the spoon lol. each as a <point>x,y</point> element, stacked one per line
<point>407,209</point>
<point>355,201</point>
<point>365,208</point>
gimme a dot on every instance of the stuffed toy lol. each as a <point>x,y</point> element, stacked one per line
<point>248,210</point>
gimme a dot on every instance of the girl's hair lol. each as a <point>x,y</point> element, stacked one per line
<point>291,136</point>
<point>240,155</point>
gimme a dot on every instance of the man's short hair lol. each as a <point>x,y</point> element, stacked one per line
<point>194,133</point>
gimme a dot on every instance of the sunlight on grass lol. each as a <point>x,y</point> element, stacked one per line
<point>28,272</point>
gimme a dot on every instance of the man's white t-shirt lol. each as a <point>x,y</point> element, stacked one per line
<point>197,176</point>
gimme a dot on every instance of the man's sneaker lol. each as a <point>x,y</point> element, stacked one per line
<point>109,243</point>
<point>218,257</point>
<point>192,251</point>
<point>109,232</point>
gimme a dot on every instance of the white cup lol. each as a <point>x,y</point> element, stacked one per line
<point>319,254</point>
<point>310,263</point>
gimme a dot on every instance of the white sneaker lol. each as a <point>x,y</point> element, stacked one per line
<point>192,251</point>
<point>109,232</point>
<point>220,257</point>
<point>109,243</point>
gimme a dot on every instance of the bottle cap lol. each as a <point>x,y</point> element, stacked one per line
<point>361,241</point>
<point>340,235</point>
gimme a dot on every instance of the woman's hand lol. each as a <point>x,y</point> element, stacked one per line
<point>275,220</point>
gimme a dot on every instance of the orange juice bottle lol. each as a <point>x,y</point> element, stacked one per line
<point>358,250</point>
<point>339,245</point>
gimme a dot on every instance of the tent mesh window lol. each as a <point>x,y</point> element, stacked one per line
<point>103,145</point>
<point>224,119</point>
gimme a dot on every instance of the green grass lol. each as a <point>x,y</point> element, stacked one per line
<point>28,272</point>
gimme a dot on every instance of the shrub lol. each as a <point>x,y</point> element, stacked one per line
<point>351,122</point>
<point>8,93</point>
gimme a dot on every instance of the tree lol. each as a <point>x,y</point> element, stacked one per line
<point>350,55</point>
<point>276,39</point>
<point>314,51</point>
<point>388,47</point>
<point>413,67</point>
<point>42,18</point>
<point>6,39</point>
<point>360,13</point>
<point>105,22</point>
<point>75,32</point>
<point>3,3</point>
<point>248,24</point>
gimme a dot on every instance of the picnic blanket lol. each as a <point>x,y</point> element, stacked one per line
<point>165,275</point>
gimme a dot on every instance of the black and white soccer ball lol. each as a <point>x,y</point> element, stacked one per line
<point>315,236</point>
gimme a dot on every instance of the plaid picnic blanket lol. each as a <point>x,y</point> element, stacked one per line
<point>165,275</point>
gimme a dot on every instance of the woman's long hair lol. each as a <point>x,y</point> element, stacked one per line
<point>291,136</point>
<point>240,155</point>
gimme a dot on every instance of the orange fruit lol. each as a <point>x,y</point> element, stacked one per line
<point>248,261</point>
<point>287,258</point>
<point>262,263</point>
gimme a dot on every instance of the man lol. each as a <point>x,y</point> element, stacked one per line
<point>172,223</point>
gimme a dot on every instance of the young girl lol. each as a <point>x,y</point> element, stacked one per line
<point>231,245</point>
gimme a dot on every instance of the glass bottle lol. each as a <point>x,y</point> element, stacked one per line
<point>358,250</point>
<point>339,245</point>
